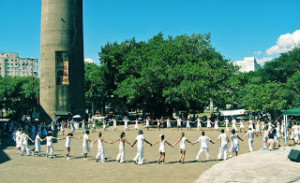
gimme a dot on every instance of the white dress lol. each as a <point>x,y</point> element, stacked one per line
<point>234,143</point>
<point>199,124</point>
<point>147,123</point>
<point>126,123</point>
<point>136,126</point>
<point>257,127</point>
<point>115,124</point>
<point>178,122</point>
<point>208,124</point>
<point>101,151</point>
<point>85,145</point>
<point>168,123</point>
<point>162,146</point>
<point>242,124</point>
<point>37,143</point>
<point>121,154</point>
<point>234,124</point>
<point>62,127</point>
<point>139,158</point>
<point>68,142</point>
<point>188,125</point>
<point>183,144</point>
<point>216,125</point>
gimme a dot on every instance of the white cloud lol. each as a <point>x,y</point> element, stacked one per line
<point>89,60</point>
<point>285,43</point>
<point>257,53</point>
<point>262,61</point>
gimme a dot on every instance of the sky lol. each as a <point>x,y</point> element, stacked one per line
<point>239,28</point>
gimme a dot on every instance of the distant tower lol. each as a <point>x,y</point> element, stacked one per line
<point>62,65</point>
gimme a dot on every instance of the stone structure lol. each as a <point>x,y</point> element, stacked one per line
<point>13,66</point>
<point>248,64</point>
<point>62,65</point>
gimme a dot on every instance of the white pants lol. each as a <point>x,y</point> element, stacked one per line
<point>250,143</point>
<point>223,148</point>
<point>139,158</point>
<point>101,154</point>
<point>50,150</point>
<point>25,148</point>
<point>121,155</point>
<point>206,150</point>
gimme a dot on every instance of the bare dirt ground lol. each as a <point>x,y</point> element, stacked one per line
<point>42,169</point>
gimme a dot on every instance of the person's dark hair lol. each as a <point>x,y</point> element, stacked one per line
<point>87,132</point>
<point>122,135</point>
<point>100,134</point>
<point>49,134</point>
<point>222,131</point>
<point>162,137</point>
<point>182,134</point>
<point>203,133</point>
<point>233,131</point>
<point>141,132</point>
<point>271,136</point>
<point>70,134</point>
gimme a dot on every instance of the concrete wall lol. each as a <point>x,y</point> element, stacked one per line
<point>62,30</point>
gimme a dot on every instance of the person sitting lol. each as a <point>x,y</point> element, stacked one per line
<point>271,142</point>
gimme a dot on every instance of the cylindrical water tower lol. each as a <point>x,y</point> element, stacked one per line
<point>62,63</point>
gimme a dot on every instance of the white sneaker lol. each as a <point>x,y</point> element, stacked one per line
<point>68,158</point>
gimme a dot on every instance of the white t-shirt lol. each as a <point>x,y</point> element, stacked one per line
<point>68,141</point>
<point>140,140</point>
<point>250,134</point>
<point>204,141</point>
<point>49,140</point>
<point>224,139</point>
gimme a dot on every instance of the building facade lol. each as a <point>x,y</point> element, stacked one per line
<point>13,66</point>
<point>248,64</point>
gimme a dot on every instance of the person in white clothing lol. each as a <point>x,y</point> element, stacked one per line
<point>227,124</point>
<point>37,144</point>
<point>94,126</point>
<point>126,120</point>
<point>242,126</point>
<point>250,134</point>
<point>204,146</point>
<point>85,144</point>
<point>235,146</point>
<point>50,149</point>
<point>199,125</point>
<point>83,125</point>
<point>234,124</point>
<point>179,123</point>
<point>121,155</point>
<point>148,123</point>
<point>182,147</point>
<point>251,124</point>
<point>168,123</point>
<point>19,139</point>
<point>136,126</point>
<point>139,158</point>
<point>68,144</point>
<point>208,124</point>
<point>62,127</point>
<point>295,132</point>
<point>25,146</point>
<point>101,150</point>
<point>257,127</point>
<point>188,124</point>
<point>216,124</point>
<point>115,124</point>
<point>223,146</point>
<point>162,148</point>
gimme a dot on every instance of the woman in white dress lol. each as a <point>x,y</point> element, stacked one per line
<point>182,146</point>
<point>168,123</point>
<point>115,124</point>
<point>199,125</point>
<point>234,124</point>
<point>85,144</point>
<point>101,150</point>
<point>37,144</point>
<point>122,140</point>
<point>50,149</point>
<point>216,125</point>
<point>162,148</point>
<point>126,123</point>
<point>235,146</point>
<point>208,124</point>
<point>242,126</point>
<point>136,126</point>
<point>147,123</point>
<point>25,146</point>
<point>257,127</point>
<point>62,127</point>
<point>68,144</point>
<point>188,124</point>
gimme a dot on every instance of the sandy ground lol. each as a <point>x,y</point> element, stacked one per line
<point>42,169</point>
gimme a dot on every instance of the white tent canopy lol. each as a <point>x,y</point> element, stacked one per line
<point>233,112</point>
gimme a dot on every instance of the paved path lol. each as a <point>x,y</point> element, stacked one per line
<point>260,166</point>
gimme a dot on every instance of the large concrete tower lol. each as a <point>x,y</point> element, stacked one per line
<point>62,65</point>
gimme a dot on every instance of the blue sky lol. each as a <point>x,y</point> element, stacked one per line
<point>239,28</point>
